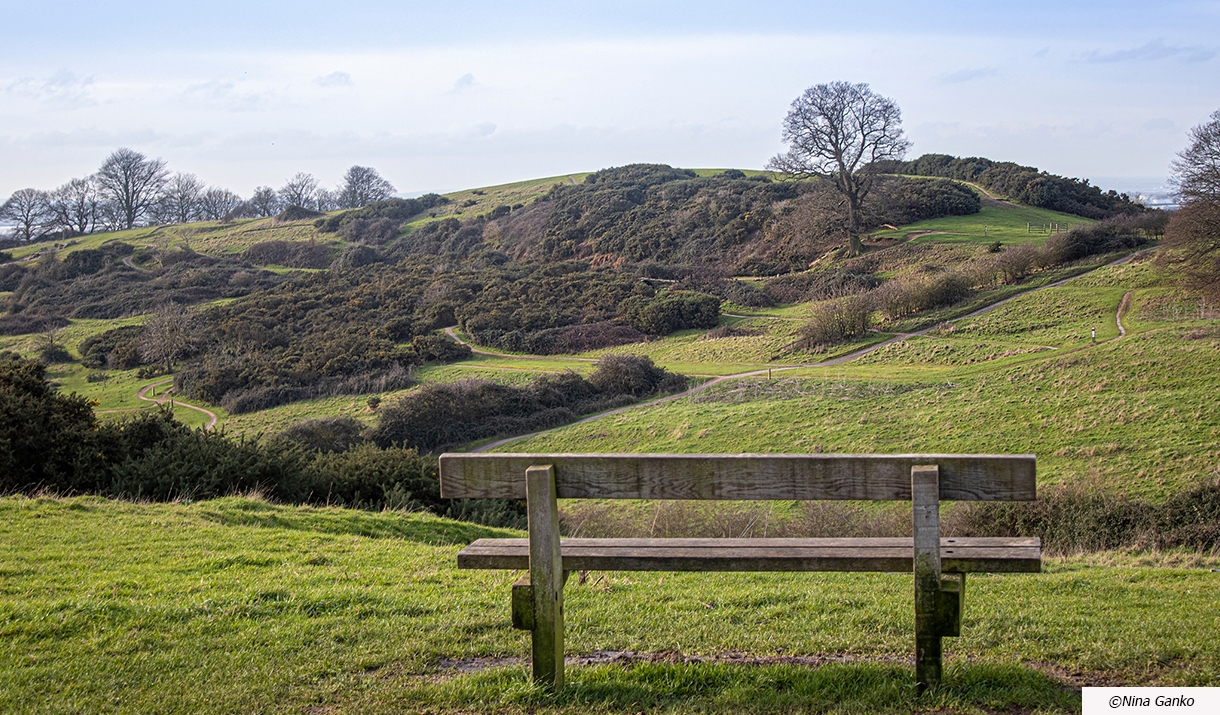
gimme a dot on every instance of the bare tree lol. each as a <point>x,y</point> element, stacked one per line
<point>301,190</point>
<point>217,204</point>
<point>173,332</point>
<point>1196,171</point>
<point>362,186</point>
<point>74,206</point>
<point>132,183</point>
<point>30,210</point>
<point>266,201</point>
<point>327,200</point>
<point>179,202</point>
<point>1193,233</point>
<point>839,131</point>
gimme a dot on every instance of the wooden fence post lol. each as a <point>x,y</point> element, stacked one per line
<point>546,575</point>
<point>925,508</point>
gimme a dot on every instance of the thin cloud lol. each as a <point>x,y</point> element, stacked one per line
<point>464,82</point>
<point>968,75</point>
<point>1151,52</point>
<point>62,90</point>
<point>335,79</point>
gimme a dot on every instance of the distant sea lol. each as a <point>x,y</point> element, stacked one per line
<point>1152,191</point>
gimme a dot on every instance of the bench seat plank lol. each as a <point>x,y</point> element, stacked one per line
<point>958,555</point>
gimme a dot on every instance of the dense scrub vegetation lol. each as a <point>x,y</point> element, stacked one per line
<point>51,441</point>
<point>447,414</point>
<point>661,219</point>
<point>95,283</point>
<point>396,211</point>
<point>1023,183</point>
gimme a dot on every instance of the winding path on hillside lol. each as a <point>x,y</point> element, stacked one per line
<point>1125,303</point>
<point>151,387</point>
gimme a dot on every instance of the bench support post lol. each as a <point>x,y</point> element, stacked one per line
<point>925,506</point>
<point>546,576</point>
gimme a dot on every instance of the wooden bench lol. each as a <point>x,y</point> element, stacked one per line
<point>939,564</point>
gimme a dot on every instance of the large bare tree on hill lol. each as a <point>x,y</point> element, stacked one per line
<point>132,183</point>
<point>1193,233</point>
<point>1196,171</point>
<point>839,131</point>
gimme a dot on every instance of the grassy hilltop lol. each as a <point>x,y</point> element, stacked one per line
<point>239,604</point>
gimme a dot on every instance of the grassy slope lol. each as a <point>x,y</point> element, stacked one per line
<point>996,221</point>
<point>1141,414</point>
<point>247,607</point>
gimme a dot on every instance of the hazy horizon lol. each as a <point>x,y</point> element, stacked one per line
<point>475,94</point>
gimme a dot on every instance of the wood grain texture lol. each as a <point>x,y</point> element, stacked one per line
<point>925,524</point>
<point>740,476</point>
<point>545,563</point>
<point>958,555</point>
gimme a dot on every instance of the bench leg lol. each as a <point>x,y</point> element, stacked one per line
<point>925,506</point>
<point>546,576</point>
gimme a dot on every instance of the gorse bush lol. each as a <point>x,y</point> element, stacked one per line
<point>1023,183</point>
<point>668,311</point>
<point>1078,518</point>
<point>446,414</point>
<point>51,441</point>
<point>293,254</point>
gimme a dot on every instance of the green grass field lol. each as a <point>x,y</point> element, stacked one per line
<point>1141,415</point>
<point>243,606</point>
<point>996,221</point>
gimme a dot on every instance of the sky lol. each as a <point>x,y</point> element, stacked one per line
<point>442,96</point>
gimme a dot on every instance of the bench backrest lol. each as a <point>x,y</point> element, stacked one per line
<point>967,477</point>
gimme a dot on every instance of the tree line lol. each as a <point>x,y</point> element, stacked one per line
<point>130,189</point>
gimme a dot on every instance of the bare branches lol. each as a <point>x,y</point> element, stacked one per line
<point>132,183</point>
<point>362,186</point>
<point>29,209</point>
<point>301,190</point>
<point>839,131</point>
<point>1196,171</point>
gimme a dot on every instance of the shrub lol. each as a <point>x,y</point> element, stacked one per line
<point>671,310</point>
<point>115,349</point>
<point>356,256</point>
<point>837,321</point>
<point>325,434</point>
<point>296,213</point>
<point>1016,262</point>
<point>396,211</point>
<point>1100,237</point>
<point>22,324</point>
<point>47,439</point>
<point>819,285</point>
<point>445,414</point>
<point>374,231</point>
<point>635,375</point>
<point>1076,518</point>
<point>293,254</point>
<point>903,297</point>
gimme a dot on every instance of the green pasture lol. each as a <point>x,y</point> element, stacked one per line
<point>1140,415</point>
<point>237,605</point>
<point>996,221</point>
